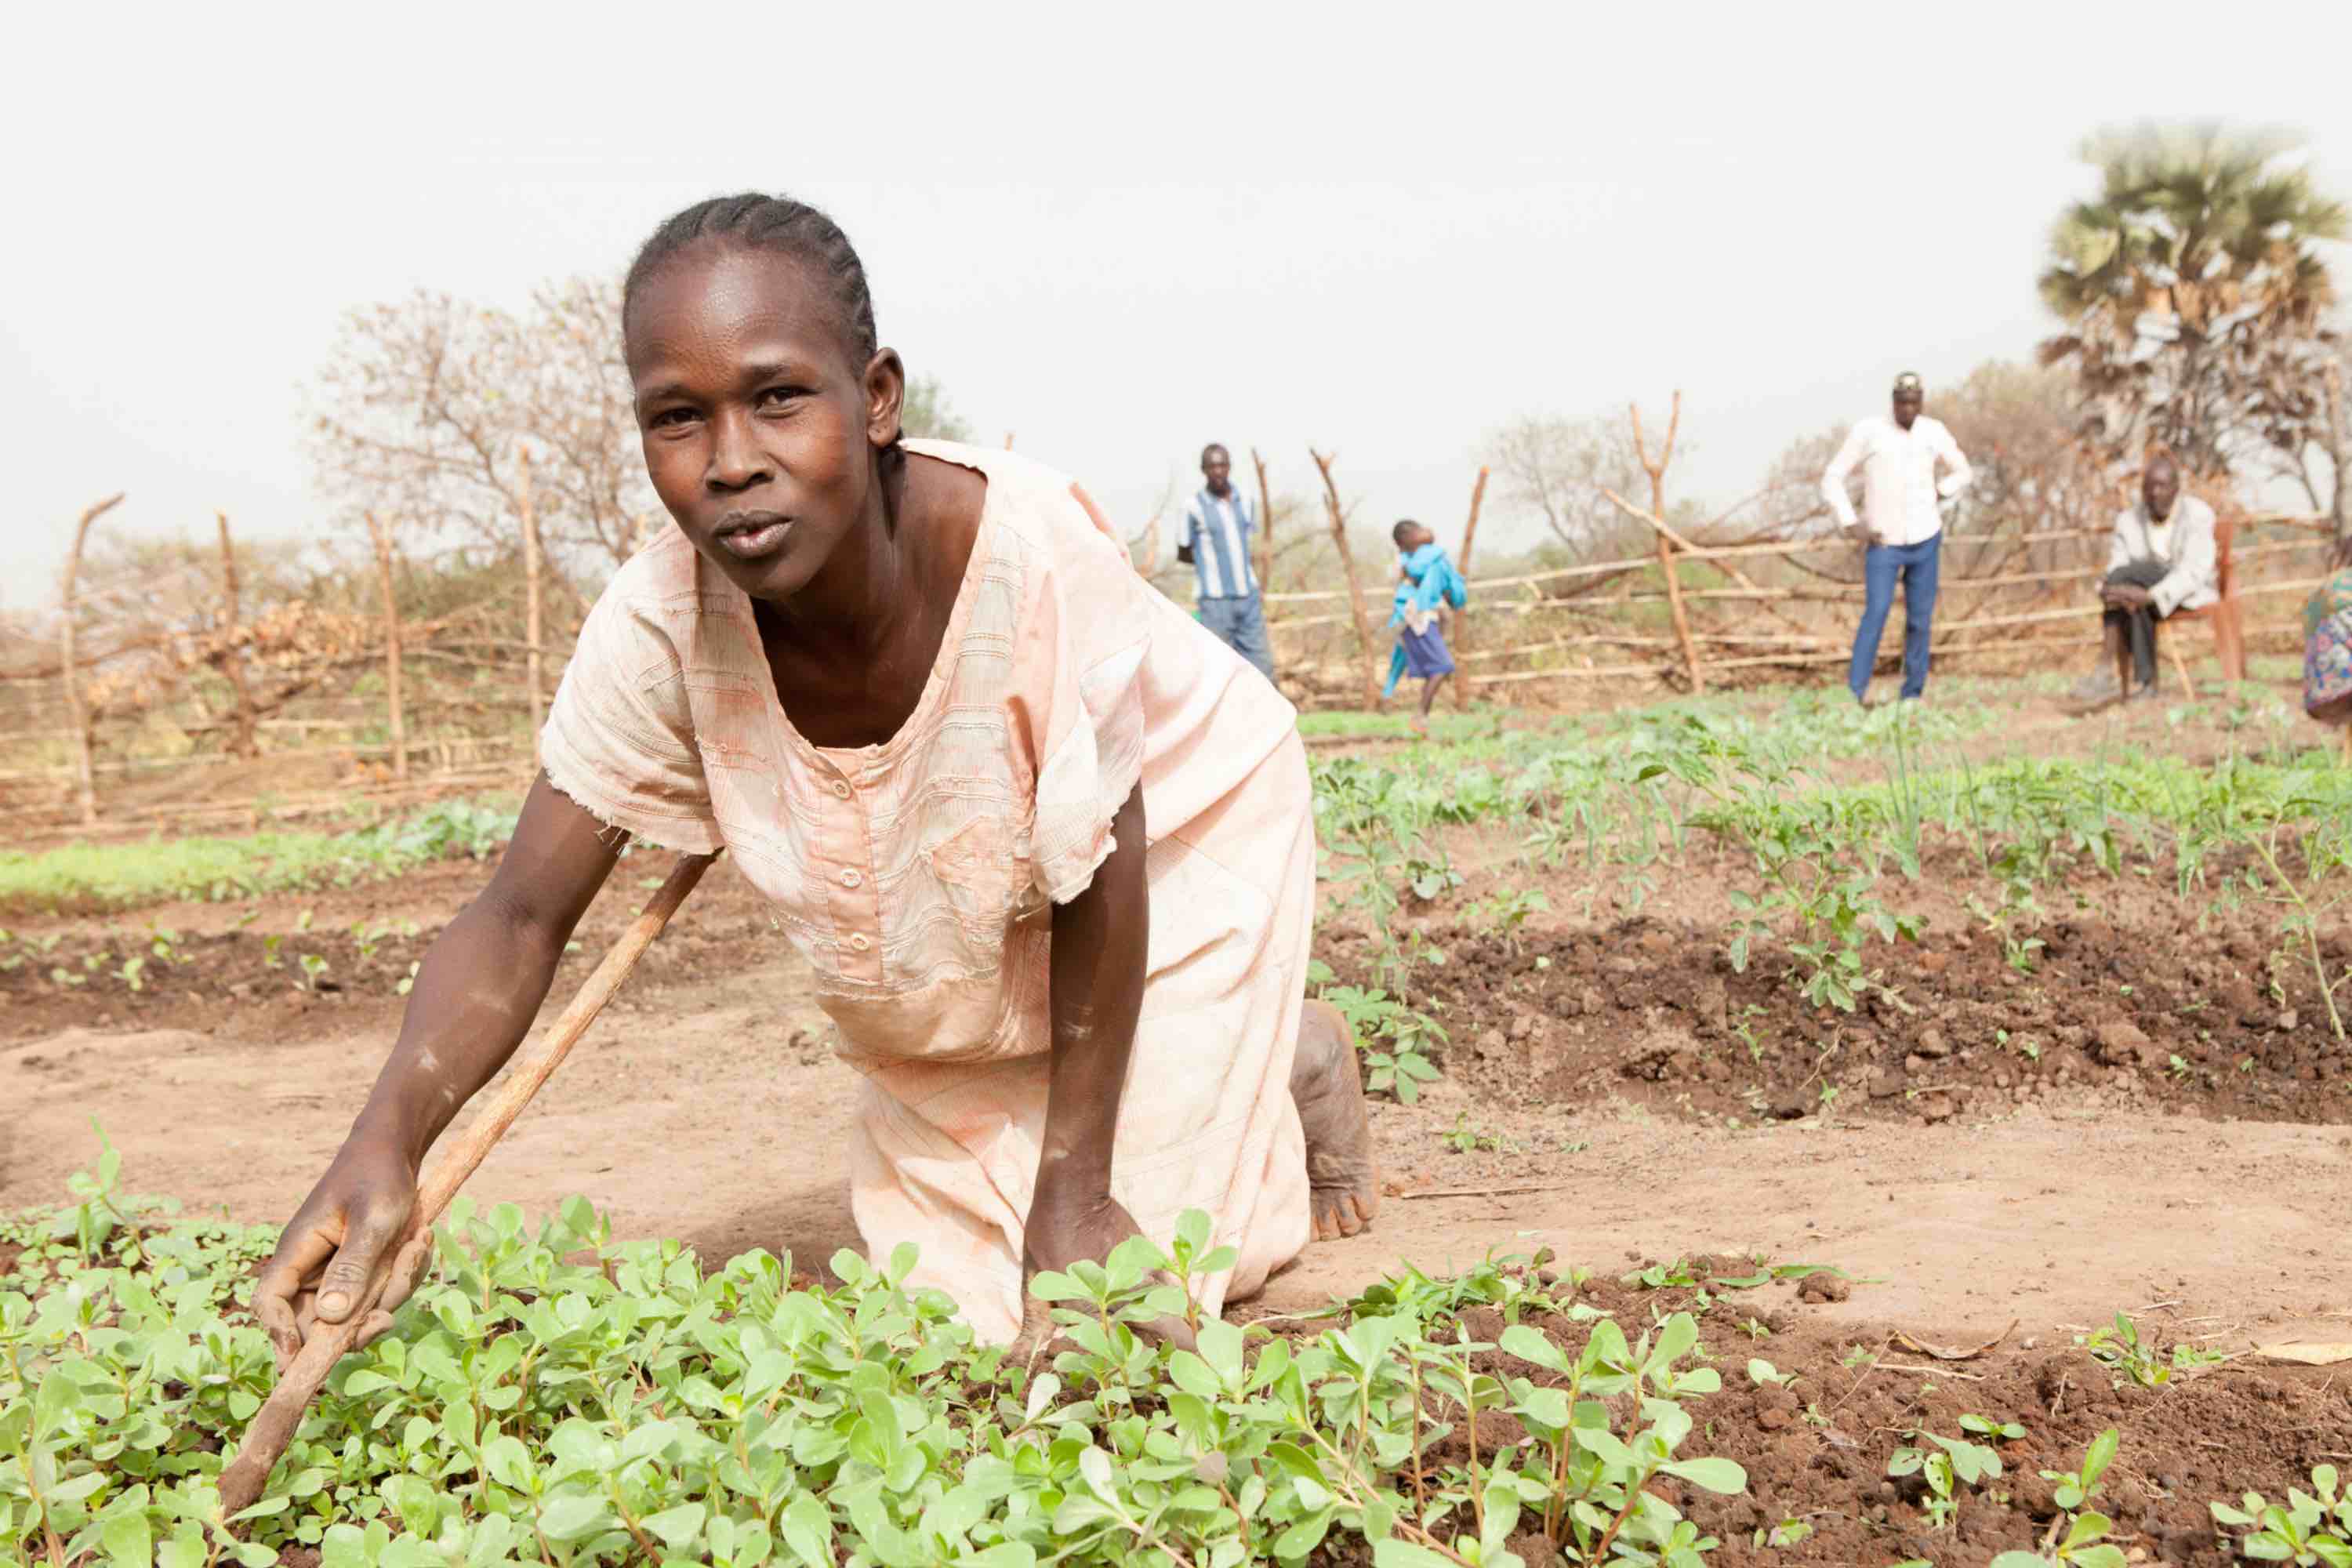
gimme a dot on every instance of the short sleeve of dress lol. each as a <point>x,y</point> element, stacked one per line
<point>619,741</point>
<point>1079,673</point>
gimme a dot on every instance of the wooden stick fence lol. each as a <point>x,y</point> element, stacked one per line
<point>86,782</point>
<point>1348,565</point>
<point>1705,650</point>
<point>1657,520</point>
<point>1469,542</point>
<point>1570,633</point>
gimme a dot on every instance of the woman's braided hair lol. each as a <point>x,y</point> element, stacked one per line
<point>769,223</point>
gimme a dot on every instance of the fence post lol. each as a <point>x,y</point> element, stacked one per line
<point>530,569</point>
<point>396,723</point>
<point>1348,565</point>
<point>1264,527</point>
<point>1658,472</point>
<point>247,742</point>
<point>1469,539</point>
<point>2339,442</point>
<point>85,776</point>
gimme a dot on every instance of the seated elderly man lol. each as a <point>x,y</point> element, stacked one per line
<point>2162,561</point>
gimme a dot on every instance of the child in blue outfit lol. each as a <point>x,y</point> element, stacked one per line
<point>1426,582</point>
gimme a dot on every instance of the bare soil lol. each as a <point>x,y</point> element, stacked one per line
<point>2141,1001</point>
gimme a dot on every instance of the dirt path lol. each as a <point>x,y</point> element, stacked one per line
<point>698,1117</point>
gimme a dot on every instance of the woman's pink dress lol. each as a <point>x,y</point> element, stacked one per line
<point>915,877</point>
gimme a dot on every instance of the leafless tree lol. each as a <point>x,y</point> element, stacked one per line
<point>1559,470</point>
<point>424,407</point>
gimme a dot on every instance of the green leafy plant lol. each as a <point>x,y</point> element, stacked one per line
<point>1465,1138</point>
<point>1777,1537</point>
<point>1819,880</point>
<point>549,1394</point>
<point>1404,1066</point>
<point>1506,911</point>
<point>1429,872</point>
<point>2119,1348</point>
<point>1943,1465</point>
<point>2076,1538</point>
<point>2309,1528</point>
<point>1398,1072</point>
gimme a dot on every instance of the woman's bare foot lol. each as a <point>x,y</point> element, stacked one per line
<point>1329,1089</point>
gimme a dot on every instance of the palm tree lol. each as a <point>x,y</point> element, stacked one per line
<point>2196,306</point>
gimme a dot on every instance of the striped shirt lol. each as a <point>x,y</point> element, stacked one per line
<point>1217,529</point>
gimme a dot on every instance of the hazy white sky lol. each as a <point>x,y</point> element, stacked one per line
<point>1116,231</point>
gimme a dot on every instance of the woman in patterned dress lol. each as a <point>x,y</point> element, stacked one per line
<point>1046,843</point>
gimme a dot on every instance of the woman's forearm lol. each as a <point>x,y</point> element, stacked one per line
<point>483,979</point>
<point>475,994</point>
<point>1100,940</point>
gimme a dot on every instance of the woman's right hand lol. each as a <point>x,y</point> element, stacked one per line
<point>338,1245</point>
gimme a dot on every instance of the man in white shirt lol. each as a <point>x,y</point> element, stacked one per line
<point>1215,542</point>
<point>2163,558</point>
<point>1901,498</point>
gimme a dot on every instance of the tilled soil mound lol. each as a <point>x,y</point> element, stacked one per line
<point>1816,1446</point>
<point>2159,1019</point>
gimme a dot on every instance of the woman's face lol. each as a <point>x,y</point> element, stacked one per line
<point>758,423</point>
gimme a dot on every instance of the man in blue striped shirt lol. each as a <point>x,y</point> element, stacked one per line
<point>1216,542</point>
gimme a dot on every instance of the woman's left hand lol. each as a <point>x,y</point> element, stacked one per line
<point>1067,1228</point>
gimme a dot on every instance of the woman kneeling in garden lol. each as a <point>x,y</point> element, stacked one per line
<point>1039,835</point>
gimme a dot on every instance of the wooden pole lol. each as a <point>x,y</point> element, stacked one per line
<point>1348,565</point>
<point>1264,527</point>
<point>1658,472</point>
<point>531,570</point>
<point>1469,542</point>
<point>396,717</point>
<point>85,777</point>
<point>247,742</point>
<point>274,1424</point>
<point>2339,442</point>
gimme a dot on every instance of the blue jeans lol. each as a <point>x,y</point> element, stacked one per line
<point>1916,565</point>
<point>1239,624</point>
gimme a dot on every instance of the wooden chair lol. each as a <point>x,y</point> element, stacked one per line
<point>2222,614</point>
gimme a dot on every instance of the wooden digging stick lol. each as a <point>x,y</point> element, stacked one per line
<point>273,1425</point>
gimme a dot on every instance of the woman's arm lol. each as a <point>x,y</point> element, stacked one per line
<point>476,992</point>
<point>1097,978</point>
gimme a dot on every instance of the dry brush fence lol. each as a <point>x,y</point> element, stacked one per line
<point>1569,631</point>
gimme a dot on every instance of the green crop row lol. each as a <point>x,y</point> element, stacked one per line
<point>1829,855</point>
<point>532,1408</point>
<point>550,1397</point>
<point>156,870</point>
